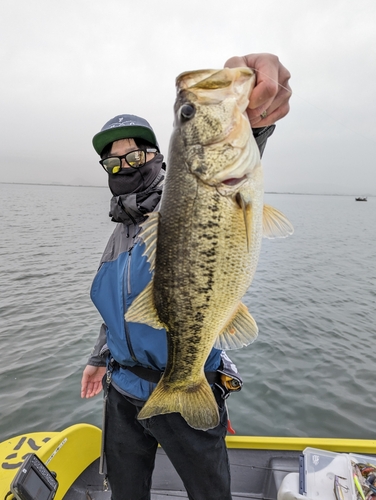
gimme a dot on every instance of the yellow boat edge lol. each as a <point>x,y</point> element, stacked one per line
<point>367,446</point>
<point>70,451</point>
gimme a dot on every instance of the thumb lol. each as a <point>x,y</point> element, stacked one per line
<point>235,62</point>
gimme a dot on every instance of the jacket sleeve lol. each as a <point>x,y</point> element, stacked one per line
<point>100,350</point>
<point>262,135</point>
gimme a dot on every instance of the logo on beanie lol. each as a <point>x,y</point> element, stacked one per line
<point>122,123</point>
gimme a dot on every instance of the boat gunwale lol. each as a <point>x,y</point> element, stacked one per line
<point>339,445</point>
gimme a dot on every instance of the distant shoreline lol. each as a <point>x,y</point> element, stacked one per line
<point>266,192</point>
<point>53,184</point>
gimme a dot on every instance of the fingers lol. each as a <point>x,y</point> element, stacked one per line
<point>91,383</point>
<point>235,62</point>
<point>270,113</point>
<point>90,389</point>
<point>271,94</point>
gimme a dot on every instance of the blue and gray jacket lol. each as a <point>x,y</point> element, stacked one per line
<point>123,273</point>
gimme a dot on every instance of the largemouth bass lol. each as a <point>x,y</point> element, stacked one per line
<point>204,242</point>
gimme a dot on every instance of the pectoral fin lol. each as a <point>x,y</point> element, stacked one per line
<point>275,224</point>
<point>142,309</point>
<point>244,202</point>
<point>241,331</point>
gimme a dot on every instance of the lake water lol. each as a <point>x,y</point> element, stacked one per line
<point>310,372</point>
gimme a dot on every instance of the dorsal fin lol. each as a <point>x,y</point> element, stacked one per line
<point>149,235</point>
<point>142,309</point>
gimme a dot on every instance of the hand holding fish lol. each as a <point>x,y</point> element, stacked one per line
<point>269,100</point>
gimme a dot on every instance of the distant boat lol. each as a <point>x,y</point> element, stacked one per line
<point>361,199</point>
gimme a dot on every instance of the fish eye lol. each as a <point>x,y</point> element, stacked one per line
<point>187,111</point>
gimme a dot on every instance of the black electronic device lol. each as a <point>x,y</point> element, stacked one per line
<point>34,481</point>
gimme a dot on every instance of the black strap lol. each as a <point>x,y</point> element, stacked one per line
<point>155,375</point>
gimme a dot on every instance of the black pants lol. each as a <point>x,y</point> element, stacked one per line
<point>199,457</point>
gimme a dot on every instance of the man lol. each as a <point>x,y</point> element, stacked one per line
<point>136,354</point>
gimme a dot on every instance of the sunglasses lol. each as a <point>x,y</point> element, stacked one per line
<point>134,159</point>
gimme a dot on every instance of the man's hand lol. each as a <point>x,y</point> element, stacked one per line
<point>269,99</point>
<point>91,383</point>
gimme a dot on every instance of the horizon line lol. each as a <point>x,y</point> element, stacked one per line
<point>57,184</point>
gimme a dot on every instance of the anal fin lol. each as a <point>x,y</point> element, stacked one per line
<point>241,331</point>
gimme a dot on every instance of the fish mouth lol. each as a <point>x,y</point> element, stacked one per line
<point>234,181</point>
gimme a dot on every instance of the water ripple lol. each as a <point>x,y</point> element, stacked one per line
<point>310,372</point>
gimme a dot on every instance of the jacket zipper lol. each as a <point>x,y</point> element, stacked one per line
<point>128,291</point>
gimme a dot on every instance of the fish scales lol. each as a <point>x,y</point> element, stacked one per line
<point>203,244</point>
<point>192,287</point>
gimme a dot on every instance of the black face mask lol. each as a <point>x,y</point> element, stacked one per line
<point>136,191</point>
<point>135,180</point>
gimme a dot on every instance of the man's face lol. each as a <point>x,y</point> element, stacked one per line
<point>124,146</point>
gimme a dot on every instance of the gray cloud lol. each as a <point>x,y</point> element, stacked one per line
<point>70,66</point>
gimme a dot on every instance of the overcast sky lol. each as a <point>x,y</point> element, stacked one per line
<point>69,66</point>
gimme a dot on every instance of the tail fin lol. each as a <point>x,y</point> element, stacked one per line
<point>196,404</point>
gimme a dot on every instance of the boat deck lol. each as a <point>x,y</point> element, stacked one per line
<point>255,474</point>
